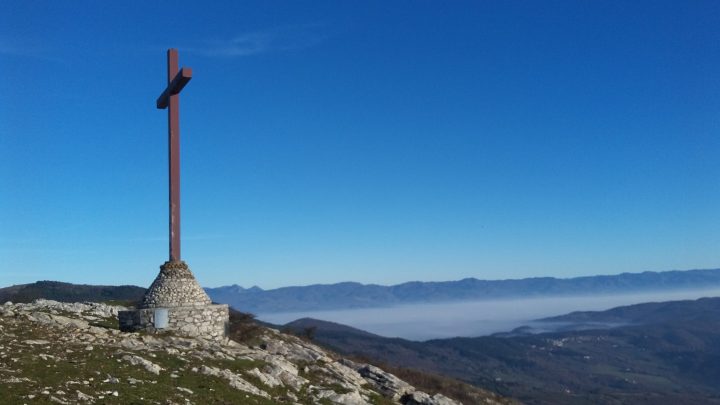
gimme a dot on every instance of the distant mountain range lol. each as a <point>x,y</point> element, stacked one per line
<point>668,353</point>
<point>355,295</point>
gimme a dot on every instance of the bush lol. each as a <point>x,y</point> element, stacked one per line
<point>243,328</point>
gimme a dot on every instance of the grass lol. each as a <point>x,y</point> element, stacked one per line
<point>107,323</point>
<point>377,399</point>
<point>68,371</point>
<point>67,367</point>
<point>121,303</point>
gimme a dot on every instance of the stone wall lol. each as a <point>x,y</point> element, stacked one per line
<point>209,321</point>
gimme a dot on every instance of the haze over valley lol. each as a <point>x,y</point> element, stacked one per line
<point>469,307</point>
<point>476,318</point>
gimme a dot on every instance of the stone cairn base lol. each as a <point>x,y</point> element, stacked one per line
<point>176,302</point>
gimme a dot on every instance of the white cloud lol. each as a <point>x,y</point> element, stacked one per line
<point>23,48</point>
<point>252,43</point>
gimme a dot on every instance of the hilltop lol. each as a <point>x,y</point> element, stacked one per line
<point>53,352</point>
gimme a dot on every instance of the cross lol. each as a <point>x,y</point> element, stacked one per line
<point>170,99</point>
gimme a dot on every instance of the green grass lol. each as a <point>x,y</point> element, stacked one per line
<point>377,399</point>
<point>107,323</point>
<point>81,365</point>
<point>121,303</point>
<point>68,370</point>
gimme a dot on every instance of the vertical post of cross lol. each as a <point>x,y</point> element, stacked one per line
<point>170,99</point>
<point>174,158</point>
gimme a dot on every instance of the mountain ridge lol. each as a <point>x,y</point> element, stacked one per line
<point>349,295</point>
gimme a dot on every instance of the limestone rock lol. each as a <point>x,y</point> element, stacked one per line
<point>267,379</point>
<point>421,398</point>
<point>84,397</point>
<point>345,373</point>
<point>387,384</point>
<point>70,322</point>
<point>234,380</point>
<point>286,372</point>
<point>36,342</point>
<point>148,365</point>
<point>349,398</point>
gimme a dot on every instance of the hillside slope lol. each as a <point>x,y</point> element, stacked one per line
<point>52,352</point>
<point>704,309</point>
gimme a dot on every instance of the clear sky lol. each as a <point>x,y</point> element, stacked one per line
<point>379,142</point>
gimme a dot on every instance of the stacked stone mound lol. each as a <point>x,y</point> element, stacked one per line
<point>175,286</point>
<point>176,302</point>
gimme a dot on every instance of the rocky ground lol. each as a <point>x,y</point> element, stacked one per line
<point>67,353</point>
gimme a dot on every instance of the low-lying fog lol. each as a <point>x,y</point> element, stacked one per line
<point>476,318</point>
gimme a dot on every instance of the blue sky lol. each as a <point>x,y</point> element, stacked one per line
<point>379,142</point>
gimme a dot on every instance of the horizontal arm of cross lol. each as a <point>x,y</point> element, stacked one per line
<point>177,84</point>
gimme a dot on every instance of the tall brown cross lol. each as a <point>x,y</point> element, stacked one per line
<point>170,99</point>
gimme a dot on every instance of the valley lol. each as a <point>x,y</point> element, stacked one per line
<point>670,354</point>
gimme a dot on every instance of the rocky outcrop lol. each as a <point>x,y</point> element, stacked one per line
<point>71,353</point>
<point>421,398</point>
<point>235,380</point>
<point>148,365</point>
<point>386,383</point>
